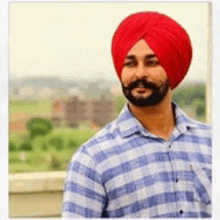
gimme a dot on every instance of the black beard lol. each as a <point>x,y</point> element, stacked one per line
<point>157,95</point>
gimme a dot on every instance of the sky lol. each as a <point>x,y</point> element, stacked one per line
<point>73,40</point>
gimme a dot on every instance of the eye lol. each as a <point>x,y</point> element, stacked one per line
<point>129,63</point>
<point>152,63</point>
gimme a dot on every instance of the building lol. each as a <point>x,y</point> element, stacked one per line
<point>73,111</point>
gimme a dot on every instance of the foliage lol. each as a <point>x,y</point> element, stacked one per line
<point>12,146</point>
<point>30,106</point>
<point>14,160</point>
<point>44,146</point>
<point>57,143</point>
<point>55,163</point>
<point>39,126</point>
<point>119,103</point>
<point>26,146</point>
<point>200,108</point>
<point>187,95</point>
<point>39,158</point>
<point>72,144</point>
<point>192,96</point>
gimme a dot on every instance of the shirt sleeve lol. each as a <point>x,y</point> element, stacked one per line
<point>84,195</point>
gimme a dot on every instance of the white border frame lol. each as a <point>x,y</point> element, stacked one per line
<point>215,79</point>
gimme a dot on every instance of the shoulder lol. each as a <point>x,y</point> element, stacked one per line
<point>193,131</point>
<point>202,128</point>
<point>97,147</point>
<point>200,134</point>
<point>182,120</point>
<point>107,140</point>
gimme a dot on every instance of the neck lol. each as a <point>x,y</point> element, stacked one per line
<point>158,119</point>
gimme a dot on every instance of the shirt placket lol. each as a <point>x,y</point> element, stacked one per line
<point>171,158</point>
<point>175,175</point>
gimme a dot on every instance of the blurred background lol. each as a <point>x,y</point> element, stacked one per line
<point>63,87</point>
<point>41,126</point>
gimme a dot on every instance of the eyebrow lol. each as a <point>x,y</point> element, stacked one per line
<point>149,56</point>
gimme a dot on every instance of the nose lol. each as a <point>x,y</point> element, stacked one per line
<point>141,71</point>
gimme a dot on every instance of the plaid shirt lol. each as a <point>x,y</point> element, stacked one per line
<point>125,171</point>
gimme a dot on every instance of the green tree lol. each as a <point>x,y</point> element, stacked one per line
<point>200,109</point>
<point>12,146</point>
<point>26,146</point>
<point>184,96</point>
<point>72,144</point>
<point>119,103</point>
<point>39,126</point>
<point>57,143</point>
<point>44,146</point>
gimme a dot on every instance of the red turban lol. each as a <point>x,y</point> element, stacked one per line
<point>169,41</point>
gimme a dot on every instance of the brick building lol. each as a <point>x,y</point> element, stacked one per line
<point>73,111</point>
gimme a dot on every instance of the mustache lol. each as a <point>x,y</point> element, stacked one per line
<point>143,82</point>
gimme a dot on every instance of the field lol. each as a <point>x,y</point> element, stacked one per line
<point>50,152</point>
<point>30,107</point>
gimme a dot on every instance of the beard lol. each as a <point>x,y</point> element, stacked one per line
<point>157,95</point>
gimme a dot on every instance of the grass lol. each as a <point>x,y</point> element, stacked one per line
<point>30,106</point>
<point>39,159</point>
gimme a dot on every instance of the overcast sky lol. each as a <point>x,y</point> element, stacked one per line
<point>73,40</point>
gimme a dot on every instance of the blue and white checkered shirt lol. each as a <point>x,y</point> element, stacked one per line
<point>125,171</point>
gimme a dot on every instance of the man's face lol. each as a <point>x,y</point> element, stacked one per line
<point>144,81</point>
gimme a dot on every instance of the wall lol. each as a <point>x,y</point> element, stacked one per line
<point>36,194</point>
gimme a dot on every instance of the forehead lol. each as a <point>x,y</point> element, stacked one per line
<point>140,48</point>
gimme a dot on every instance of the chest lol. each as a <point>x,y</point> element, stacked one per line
<point>152,173</point>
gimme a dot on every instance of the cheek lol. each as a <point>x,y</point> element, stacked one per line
<point>158,74</point>
<point>127,75</point>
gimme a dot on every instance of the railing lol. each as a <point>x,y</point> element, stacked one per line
<point>36,194</point>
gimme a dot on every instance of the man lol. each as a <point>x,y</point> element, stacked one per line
<point>153,160</point>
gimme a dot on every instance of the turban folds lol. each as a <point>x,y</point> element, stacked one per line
<point>168,40</point>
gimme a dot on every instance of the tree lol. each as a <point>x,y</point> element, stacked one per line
<point>201,109</point>
<point>72,144</point>
<point>39,126</point>
<point>12,146</point>
<point>57,143</point>
<point>26,146</point>
<point>120,103</point>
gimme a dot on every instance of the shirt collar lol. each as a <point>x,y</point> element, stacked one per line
<point>183,121</point>
<point>129,125</point>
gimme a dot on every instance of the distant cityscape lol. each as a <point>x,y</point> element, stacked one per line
<point>95,101</point>
<point>35,88</point>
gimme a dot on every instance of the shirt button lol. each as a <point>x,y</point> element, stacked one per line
<point>181,211</point>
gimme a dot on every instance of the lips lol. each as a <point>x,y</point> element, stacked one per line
<point>141,89</point>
